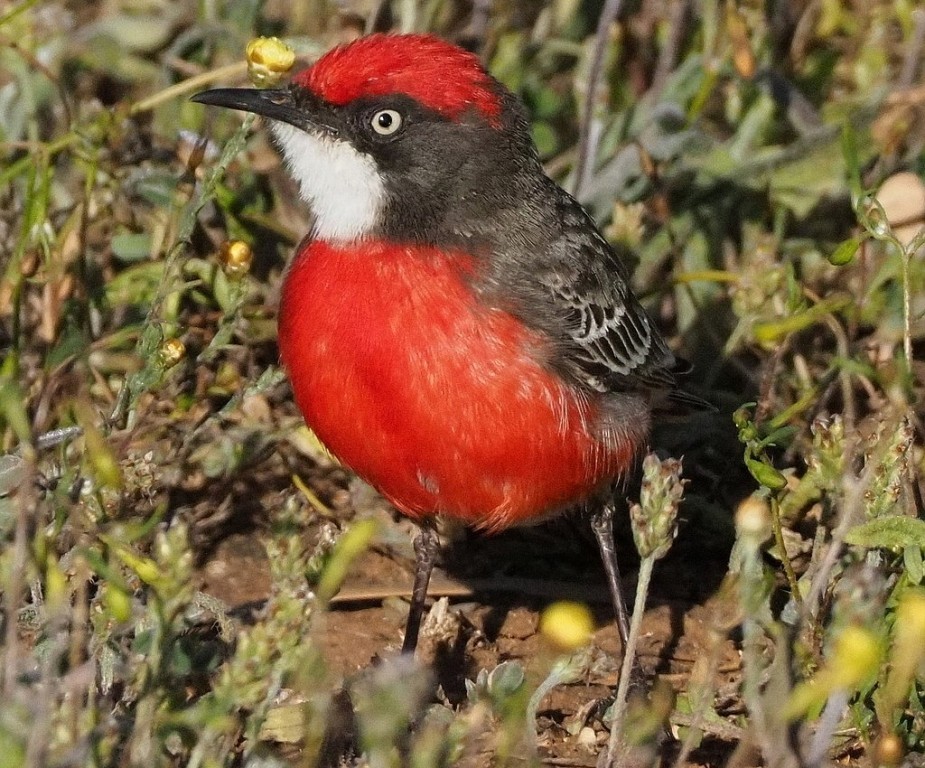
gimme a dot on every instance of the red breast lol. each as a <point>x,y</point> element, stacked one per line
<point>442,403</point>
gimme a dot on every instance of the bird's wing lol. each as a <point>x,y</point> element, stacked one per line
<point>608,337</point>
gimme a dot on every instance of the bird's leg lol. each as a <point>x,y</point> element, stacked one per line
<point>426,547</point>
<point>602,525</point>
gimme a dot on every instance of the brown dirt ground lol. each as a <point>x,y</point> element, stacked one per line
<point>497,587</point>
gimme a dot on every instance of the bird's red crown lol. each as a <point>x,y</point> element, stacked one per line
<point>439,75</point>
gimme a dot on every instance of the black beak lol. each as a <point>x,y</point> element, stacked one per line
<point>275,104</point>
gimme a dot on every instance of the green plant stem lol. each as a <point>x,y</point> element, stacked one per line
<point>13,12</point>
<point>228,72</point>
<point>13,587</point>
<point>752,672</point>
<point>905,258</point>
<point>566,670</point>
<point>615,745</point>
<point>152,335</point>
<point>778,529</point>
<point>590,128</point>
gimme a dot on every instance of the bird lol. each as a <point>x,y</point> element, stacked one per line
<point>455,327</point>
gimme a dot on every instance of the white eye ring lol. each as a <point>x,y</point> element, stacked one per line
<point>386,122</point>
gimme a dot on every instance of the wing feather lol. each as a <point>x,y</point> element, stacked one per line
<point>607,334</point>
<point>552,268</point>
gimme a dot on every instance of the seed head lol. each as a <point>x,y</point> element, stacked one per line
<point>654,519</point>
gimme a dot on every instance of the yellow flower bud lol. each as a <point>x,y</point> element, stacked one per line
<point>908,651</point>
<point>910,626</point>
<point>888,751</point>
<point>56,591</point>
<point>103,464</point>
<point>856,657</point>
<point>753,518</point>
<point>854,660</point>
<point>355,540</point>
<point>171,352</point>
<point>742,56</point>
<point>117,602</point>
<point>144,567</point>
<point>268,59</point>
<point>235,256</point>
<point>567,625</point>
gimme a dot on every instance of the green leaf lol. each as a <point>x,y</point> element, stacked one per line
<point>765,474</point>
<point>7,516</point>
<point>545,138</point>
<point>13,470</point>
<point>773,331</point>
<point>845,252</point>
<point>130,246</point>
<point>157,188</point>
<point>849,150</point>
<point>13,409</point>
<point>506,679</point>
<point>799,185</point>
<point>889,533</point>
<point>284,724</point>
<point>135,285</point>
<point>912,560</point>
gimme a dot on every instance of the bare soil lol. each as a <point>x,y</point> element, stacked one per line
<point>497,587</point>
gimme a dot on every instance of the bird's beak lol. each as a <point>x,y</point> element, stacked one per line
<point>273,103</point>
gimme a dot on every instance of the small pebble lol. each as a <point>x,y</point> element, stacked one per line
<point>587,738</point>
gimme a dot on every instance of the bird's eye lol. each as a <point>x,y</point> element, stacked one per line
<point>386,122</point>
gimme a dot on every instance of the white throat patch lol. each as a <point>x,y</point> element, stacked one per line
<point>341,184</point>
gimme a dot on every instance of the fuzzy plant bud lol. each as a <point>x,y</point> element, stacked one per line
<point>171,352</point>
<point>268,59</point>
<point>567,625</point>
<point>742,418</point>
<point>628,225</point>
<point>828,454</point>
<point>890,451</point>
<point>236,257</point>
<point>654,518</point>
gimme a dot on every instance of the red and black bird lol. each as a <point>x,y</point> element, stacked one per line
<point>456,329</point>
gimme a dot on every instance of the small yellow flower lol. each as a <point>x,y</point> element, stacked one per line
<point>567,625</point>
<point>235,256</point>
<point>268,59</point>
<point>171,352</point>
